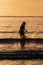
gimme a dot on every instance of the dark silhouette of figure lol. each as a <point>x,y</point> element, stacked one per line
<point>22,30</point>
<point>22,34</point>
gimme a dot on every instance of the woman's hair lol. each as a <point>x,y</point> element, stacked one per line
<point>24,22</point>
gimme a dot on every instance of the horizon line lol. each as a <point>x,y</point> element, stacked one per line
<point>21,16</point>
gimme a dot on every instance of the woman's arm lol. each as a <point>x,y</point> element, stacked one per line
<point>26,30</point>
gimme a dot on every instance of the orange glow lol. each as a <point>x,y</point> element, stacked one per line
<point>21,7</point>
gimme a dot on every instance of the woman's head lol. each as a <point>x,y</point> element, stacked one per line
<point>24,22</point>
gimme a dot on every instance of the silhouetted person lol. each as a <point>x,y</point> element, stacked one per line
<point>22,30</point>
<point>22,34</point>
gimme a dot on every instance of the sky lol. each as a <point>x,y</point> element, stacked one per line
<point>21,7</point>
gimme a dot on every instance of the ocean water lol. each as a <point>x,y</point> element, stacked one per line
<point>34,25</point>
<point>9,28</point>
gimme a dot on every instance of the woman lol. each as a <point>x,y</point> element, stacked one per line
<point>22,30</point>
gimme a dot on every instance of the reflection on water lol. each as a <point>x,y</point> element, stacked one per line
<point>17,46</point>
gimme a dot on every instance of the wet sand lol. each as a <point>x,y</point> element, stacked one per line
<point>21,62</point>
